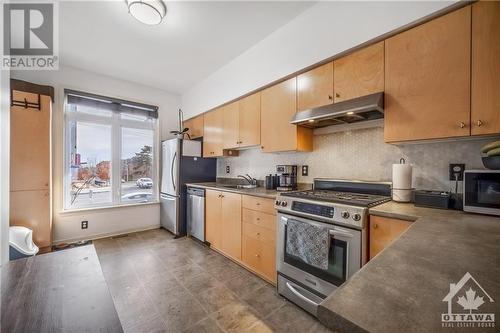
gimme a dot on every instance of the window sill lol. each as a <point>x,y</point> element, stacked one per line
<point>88,209</point>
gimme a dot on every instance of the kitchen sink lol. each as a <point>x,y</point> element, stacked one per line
<point>247,186</point>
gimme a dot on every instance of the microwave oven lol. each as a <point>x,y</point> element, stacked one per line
<point>482,191</point>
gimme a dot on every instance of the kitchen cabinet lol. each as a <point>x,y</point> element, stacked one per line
<point>195,126</point>
<point>278,106</point>
<point>223,222</point>
<point>427,80</point>
<point>213,123</point>
<point>315,87</point>
<point>383,231</point>
<point>231,127</point>
<point>485,99</point>
<point>249,121</point>
<point>359,74</point>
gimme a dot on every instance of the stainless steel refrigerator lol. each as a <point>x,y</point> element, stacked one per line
<point>181,163</point>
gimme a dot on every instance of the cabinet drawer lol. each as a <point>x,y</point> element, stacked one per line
<point>260,256</point>
<point>260,204</point>
<point>260,233</point>
<point>259,218</point>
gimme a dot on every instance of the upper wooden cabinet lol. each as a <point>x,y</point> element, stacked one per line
<point>249,117</point>
<point>278,105</point>
<point>427,80</point>
<point>383,231</point>
<point>315,87</point>
<point>195,126</point>
<point>242,123</point>
<point>485,102</point>
<point>213,133</point>
<point>360,73</point>
<point>231,129</point>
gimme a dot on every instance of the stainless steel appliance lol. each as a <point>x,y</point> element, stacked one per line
<point>287,176</point>
<point>482,191</point>
<point>196,213</point>
<point>341,207</point>
<point>181,163</point>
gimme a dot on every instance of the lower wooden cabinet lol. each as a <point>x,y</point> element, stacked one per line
<point>383,231</point>
<point>260,256</point>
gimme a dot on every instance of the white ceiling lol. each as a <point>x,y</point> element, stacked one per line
<point>195,39</point>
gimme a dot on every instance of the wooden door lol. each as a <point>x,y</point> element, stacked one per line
<point>231,225</point>
<point>427,80</point>
<point>315,87</point>
<point>230,129</point>
<point>195,126</point>
<point>249,117</point>
<point>30,144</point>
<point>213,218</point>
<point>383,231</point>
<point>485,100</point>
<point>278,105</point>
<point>212,130</point>
<point>31,209</point>
<point>360,73</point>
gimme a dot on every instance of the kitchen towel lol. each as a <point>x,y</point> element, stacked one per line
<point>309,243</point>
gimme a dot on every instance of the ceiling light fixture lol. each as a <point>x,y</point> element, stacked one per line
<point>150,12</point>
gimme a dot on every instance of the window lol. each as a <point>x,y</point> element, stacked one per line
<point>110,154</point>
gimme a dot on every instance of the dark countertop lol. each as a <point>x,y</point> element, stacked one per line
<point>61,291</point>
<point>256,192</point>
<point>402,288</point>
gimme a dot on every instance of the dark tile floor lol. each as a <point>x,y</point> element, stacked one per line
<point>161,284</point>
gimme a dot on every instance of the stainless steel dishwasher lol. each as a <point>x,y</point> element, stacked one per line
<point>196,213</point>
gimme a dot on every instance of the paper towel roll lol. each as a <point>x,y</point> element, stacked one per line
<point>401,176</point>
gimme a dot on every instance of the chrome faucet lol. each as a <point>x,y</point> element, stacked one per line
<point>249,179</point>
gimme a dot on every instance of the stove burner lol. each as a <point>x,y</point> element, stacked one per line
<point>351,198</point>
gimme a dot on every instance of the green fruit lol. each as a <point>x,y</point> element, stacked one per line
<point>490,146</point>
<point>493,152</point>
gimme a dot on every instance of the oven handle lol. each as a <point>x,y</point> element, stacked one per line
<point>298,294</point>
<point>333,232</point>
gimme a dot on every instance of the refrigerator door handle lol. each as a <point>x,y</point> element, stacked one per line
<point>172,170</point>
<point>167,197</point>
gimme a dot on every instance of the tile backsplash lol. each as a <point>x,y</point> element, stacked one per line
<point>363,155</point>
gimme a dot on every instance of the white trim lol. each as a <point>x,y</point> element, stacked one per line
<point>99,208</point>
<point>105,235</point>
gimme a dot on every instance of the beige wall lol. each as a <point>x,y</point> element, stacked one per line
<point>362,154</point>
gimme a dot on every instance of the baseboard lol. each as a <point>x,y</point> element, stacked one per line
<point>105,235</point>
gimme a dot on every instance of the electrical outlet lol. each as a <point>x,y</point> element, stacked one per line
<point>85,224</point>
<point>305,170</point>
<point>228,169</point>
<point>456,168</point>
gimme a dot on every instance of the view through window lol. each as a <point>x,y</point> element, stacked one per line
<point>110,156</point>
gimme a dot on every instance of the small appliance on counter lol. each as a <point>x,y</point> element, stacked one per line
<point>287,177</point>
<point>432,199</point>
<point>402,181</point>
<point>482,191</point>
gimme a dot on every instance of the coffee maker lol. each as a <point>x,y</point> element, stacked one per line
<point>287,175</point>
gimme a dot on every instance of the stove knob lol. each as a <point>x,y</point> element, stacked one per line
<point>356,217</point>
<point>345,214</point>
<point>277,202</point>
<point>284,203</point>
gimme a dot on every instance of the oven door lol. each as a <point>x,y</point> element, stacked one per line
<point>344,257</point>
<point>482,192</point>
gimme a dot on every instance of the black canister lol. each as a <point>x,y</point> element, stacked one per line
<point>269,182</point>
<point>276,181</point>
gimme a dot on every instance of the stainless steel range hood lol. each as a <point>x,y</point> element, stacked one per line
<point>363,108</point>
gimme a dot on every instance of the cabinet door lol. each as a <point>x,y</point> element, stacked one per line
<point>195,126</point>
<point>249,116</point>
<point>427,80</point>
<point>231,225</point>
<point>315,87</point>
<point>278,105</point>
<point>230,129</point>
<point>485,102</point>
<point>30,144</point>
<point>31,209</point>
<point>213,218</point>
<point>212,128</point>
<point>359,74</point>
<point>383,231</point>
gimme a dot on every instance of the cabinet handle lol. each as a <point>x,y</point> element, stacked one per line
<point>479,123</point>
<point>222,196</point>
<point>375,226</point>
<point>330,97</point>
<point>257,255</point>
<point>337,95</point>
<point>462,124</point>
<point>262,147</point>
<point>258,219</point>
<point>258,234</point>
<point>258,203</point>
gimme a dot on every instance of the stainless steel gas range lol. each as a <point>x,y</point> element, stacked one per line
<point>338,208</point>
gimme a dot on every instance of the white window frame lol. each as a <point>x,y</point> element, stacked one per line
<point>117,125</point>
